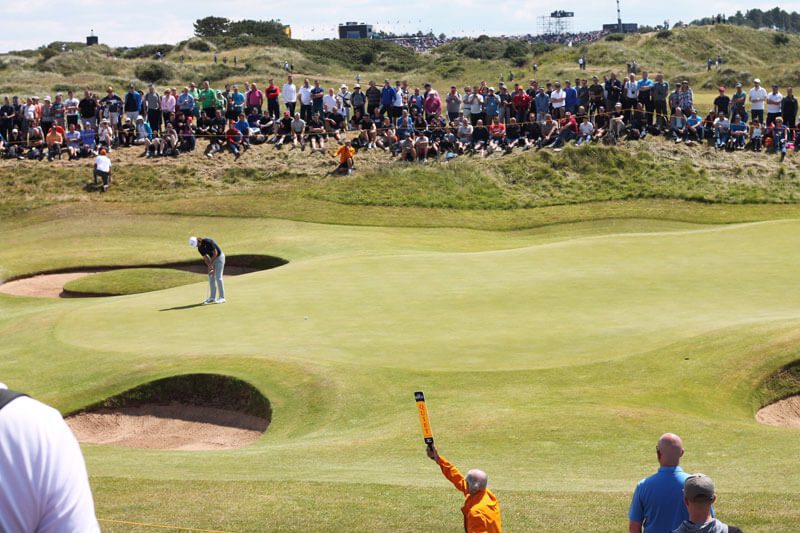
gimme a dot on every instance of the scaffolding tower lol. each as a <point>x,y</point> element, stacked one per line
<point>556,23</point>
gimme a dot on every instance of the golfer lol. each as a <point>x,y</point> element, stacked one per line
<point>215,261</point>
<point>481,509</point>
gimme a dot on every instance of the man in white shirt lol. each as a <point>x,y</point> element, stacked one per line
<point>558,101</point>
<point>774,100</point>
<point>306,102</point>
<point>71,108</point>
<point>289,92</point>
<point>45,486</point>
<point>102,168</point>
<point>758,95</point>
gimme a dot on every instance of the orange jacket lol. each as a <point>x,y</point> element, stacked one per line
<point>345,152</point>
<point>482,510</point>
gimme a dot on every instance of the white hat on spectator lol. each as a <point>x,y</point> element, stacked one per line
<point>46,98</point>
<point>757,81</point>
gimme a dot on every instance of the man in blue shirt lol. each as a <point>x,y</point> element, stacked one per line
<point>571,101</point>
<point>657,502</point>
<point>645,86</point>
<point>388,95</point>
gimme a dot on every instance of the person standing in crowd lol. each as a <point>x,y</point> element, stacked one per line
<point>344,97</point>
<point>152,108</point>
<point>388,95</point>
<point>570,98</point>
<point>289,92</point>
<point>699,496</point>
<point>722,103</point>
<point>789,110</point>
<point>660,94</point>
<point>758,96</point>
<point>254,99</point>
<point>272,93</point>
<point>358,100</point>
<point>481,508</point>
<point>631,96</point>
<point>317,97</point>
<point>373,95</point>
<point>168,105</point>
<point>214,259</point>
<point>738,102</point>
<point>306,102</point>
<point>645,97</point>
<point>557,102</point>
<point>6,118</point>
<point>657,502</point>
<point>132,105</point>
<point>185,103</point>
<point>614,91</point>
<point>71,109</point>
<point>774,101</point>
<point>453,103</point>
<point>45,483</point>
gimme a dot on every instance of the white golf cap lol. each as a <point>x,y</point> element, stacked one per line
<point>193,242</point>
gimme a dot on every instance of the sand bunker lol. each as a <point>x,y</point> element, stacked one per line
<point>784,413</point>
<point>176,426</point>
<point>42,286</point>
<point>51,284</point>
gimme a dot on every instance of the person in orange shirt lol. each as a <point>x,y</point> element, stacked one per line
<point>481,509</point>
<point>345,154</point>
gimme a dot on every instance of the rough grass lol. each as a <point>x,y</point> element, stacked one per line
<point>132,281</point>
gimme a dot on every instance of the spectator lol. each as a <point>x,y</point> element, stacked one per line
<point>373,95</point>
<point>168,105</point>
<point>306,101</point>
<point>289,95</point>
<point>631,97</point>
<point>388,95</point>
<point>780,136</point>
<point>54,141</point>
<point>678,126</point>
<point>453,101</point>
<point>722,103</point>
<point>233,140</point>
<point>152,108</point>
<point>756,135</point>
<point>758,96</point>
<point>694,126</point>
<point>72,141</point>
<point>774,101</point>
<point>132,104</point>
<point>722,127</point>
<point>645,96</point>
<point>657,502</point>
<point>699,496</point>
<point>686,97</point>
<point>738,102</point>
<point>185,103</point>
<point>481,509</point>
<point>789,110</point>
<point>614,91</point>
<point>127,132</point>
<point>558,102</point>
<point>738,133</point>
<point>596,100</point>
<point>570,98</point>
<point>102,170</point>
<point>346,153</point>
<point>71,109</point>
<point>585,130</point>
<point>45,484</point>
<point>344,96</point>
<point>568,130</point>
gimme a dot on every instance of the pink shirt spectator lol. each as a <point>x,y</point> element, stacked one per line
<point>168,103</point>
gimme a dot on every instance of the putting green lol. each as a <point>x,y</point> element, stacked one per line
<point>552,358</point>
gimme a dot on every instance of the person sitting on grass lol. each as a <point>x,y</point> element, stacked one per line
<point>283,133</point>
<point>568,130</point>
<point>421,146</point>
<point>408,151</point>
<point>699,496</point>
<point>102,169</point>
<point>497,135</point>
<point>780,136</point>
<point>105,134</point>
<point>126,132</point>
<point>549,130</point>
<point>233,140</point>
<point>143,136</point>
<point>481,508</point>
<point>387,141</point>
<point>54,142</point>
<point>586,129</point>
<point>186,135</point>
<point>738,137</point>
<point>169,141</point>
<point>316,133</point>
<point>244,128</point>
<point>756,134</point>
<point>480,138</point>
<point>367,132</point>
<point>678,127</point>
<point>694,127</point>
<point>36,143</point>
<point>15,145</point>
<point>514,135</point>
<point>722,127</point>
<point>298,132</point>
<point>346,153</point>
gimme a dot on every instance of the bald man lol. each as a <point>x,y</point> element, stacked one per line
<point>481,509</point>
<point>658,500</point>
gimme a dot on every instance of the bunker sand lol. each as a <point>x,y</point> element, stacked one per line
<point>175,426</point>
<point>784,413</point>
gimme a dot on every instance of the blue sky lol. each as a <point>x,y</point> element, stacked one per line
<point>31,23</point>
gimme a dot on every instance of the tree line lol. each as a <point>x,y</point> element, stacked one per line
<point>775,18</point>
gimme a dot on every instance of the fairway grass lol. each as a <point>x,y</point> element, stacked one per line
<point>552,357</point>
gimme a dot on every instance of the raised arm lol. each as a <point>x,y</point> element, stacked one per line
<point>449,470</point>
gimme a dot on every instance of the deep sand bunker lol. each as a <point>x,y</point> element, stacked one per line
<point>51,284</point>
<point>191,412</point>
<point>784,413</point>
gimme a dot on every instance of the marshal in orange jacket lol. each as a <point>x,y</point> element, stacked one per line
<point>481,510</point>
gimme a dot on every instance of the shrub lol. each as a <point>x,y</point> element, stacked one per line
<point>617,37</point>
<point>47,53</point>
<point>664,34</point>
<point>147,51</point>
<point>217,72</point>
<point>198,45</point>
<point>780,39</point>
<point>153,72</point>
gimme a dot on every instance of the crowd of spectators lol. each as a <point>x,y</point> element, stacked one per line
<point>414,123</point>
<point>564,38</point>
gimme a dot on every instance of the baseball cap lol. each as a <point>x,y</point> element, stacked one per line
<point>699,486</point>
<point>757,80</point>
<point>738,84</point>
<point>103,151</point>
